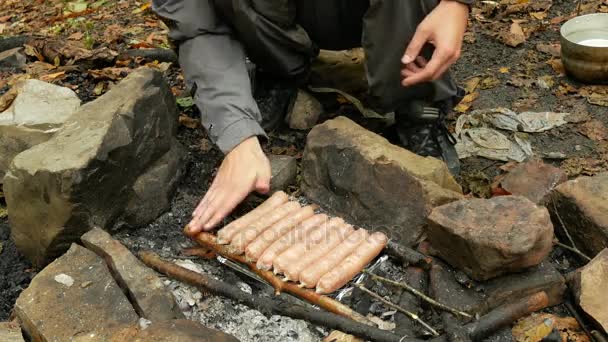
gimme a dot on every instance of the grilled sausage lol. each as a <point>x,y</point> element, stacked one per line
<point>255,249</point>
<point>353,264</point>
<point>298,250</point>
<point>293,236</point>
<point>310,276</point>
<point>245,236</point>
<point>316,252</point>
<point>225,235</point>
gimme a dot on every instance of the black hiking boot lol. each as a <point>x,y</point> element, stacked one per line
<point>422,130</point>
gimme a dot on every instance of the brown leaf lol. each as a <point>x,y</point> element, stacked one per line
<point>471,84</point>
<point>551,49</point>
<point>515,37</point>
<point>597,95</point>
<point>583,166</point>
<point>466,103</point>
<point>594,130</point>
<point>557,66</point>
<point>76,36</point>
<point>489,83</point>
<point>188,122</point>
<point>538,326</point>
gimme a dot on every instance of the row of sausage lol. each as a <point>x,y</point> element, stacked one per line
<point>313,249</point>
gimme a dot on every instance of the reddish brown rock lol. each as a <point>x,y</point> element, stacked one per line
<point>583,206</point>
<point>147,292</point>
<point>534,180</point>
<point>590,288</point>
<point>487,238</point>
<point>170,331</point>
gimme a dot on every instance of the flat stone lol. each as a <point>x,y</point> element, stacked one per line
<point>486,238</point>
<point>284,171</point>
<point>344,70</point>
<point>534,180</point>
<point>143,286</point>
<point>583,206</point>
<point>89,174</point>
<point>13,58</point>
<point>590,286</point>
<point>360,176</point>
<point>10,332</point>
<point>36,113</point>
<point>305,112</point>
<point>51,311</point>
<point>510,288</point>
<point>181,330</point>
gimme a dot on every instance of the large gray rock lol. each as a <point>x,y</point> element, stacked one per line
<point>145,289</point>
<point>589,286</point>
<point>284,171</point>
<point>305,112</point>
<point>486,238</point>
<point>360,176</point>
<point>89,174</point>
<point>13,58</point>
<point>74,299</point>
<point>582,204</point>
<point>37,112</point>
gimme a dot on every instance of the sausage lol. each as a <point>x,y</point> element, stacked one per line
<point>310,276</point>
<point>353,264</point>
<point>225,235</point>
<point>289,257</point>
<point>293,236</point>
<point>255,249</point>
<point>245,236</point>
<point>332,238</point>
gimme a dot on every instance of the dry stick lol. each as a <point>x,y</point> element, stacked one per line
<point>209,240</point>
<point>408,255</point>
<point>411,315</point>
<point>573,250</point>
<point>277,305</point>
<point>419,294</point>
<point>507,314</point>
<point>559,218</point>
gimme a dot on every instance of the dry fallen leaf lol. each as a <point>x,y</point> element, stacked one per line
<point>466,102</point>
<point>597,95</point>
<point>594,130</point>
<point>552,49</point>
<point>504,70</point>
<point>189,122</point>
<point>537,326</point>
<point>471,84</point>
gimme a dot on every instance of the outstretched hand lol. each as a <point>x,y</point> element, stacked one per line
<point>245,169</point>
<point>444,28</point>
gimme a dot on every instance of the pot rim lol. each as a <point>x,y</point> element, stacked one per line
<point>567,25</point>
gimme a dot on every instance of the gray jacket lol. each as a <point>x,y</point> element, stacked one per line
<point>214,34</point>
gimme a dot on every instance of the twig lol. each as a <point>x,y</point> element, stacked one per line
<point>408,255</point>
<point>579,7</point>
<point>277,305</point>
<point>411,315</point>
<point>561,222</point>
<point>573,250</point>
<point>507,314</point>
<point>327,303</point>
<point>419,294</point>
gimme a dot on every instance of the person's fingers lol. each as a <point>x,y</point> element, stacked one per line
<point>408,73</point>
<point>228,203</point>
<point>441,57</point>
<point>262,182</point>
<point>413,67</point>
<point>416,44</point>
<point>421,61</point>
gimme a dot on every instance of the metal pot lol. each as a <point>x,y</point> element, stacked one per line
<point>584,42</point>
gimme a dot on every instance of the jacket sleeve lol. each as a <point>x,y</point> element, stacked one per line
<point>213,60</point>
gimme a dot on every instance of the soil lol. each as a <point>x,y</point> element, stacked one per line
<point>483,57</point>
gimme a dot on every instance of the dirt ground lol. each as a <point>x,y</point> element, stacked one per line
<point>520,78</point>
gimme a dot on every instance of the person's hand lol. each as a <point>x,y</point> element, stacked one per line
<point>244,169</point>
<point>444,28</point>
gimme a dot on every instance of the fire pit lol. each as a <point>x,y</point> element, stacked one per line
<point>585,47</point>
